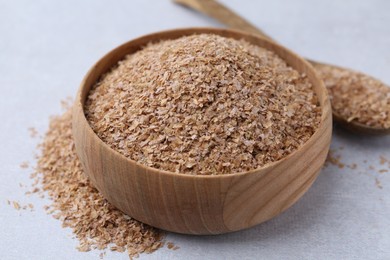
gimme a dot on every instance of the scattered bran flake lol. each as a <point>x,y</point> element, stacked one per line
<point>378,183</point>
<point>16,205</point>
<point>352,166</point>
<point>24,165</point>
<point>33,132</point>
<point>357,97</point>
<point>75,202</point>
<point>203,104</point>
<point>334,159</point>
<point>383,160</point>
<point>84,247</point>
<point>118,249</point>
<point>172,246</point>
<point>383,170</point>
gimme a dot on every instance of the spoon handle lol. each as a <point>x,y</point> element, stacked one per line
<point>223,14</point>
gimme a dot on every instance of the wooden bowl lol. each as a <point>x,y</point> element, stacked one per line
<point>200,204</point>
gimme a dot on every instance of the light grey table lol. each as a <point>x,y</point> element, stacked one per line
<point>47,46</point>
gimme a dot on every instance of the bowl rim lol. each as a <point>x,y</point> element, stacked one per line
<point>78,106</point>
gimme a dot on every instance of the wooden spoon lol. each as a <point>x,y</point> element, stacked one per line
<point>226,16</point>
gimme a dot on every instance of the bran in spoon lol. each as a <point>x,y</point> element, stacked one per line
<point>357,97</point>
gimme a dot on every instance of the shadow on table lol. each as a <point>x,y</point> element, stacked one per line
<point>362,140</point>
<point>310,212</point>
<point>303,215</point>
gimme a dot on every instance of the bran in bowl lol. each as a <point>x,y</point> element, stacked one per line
<point>203,104</point>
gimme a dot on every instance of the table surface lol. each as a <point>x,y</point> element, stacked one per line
<point>47,46</point>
